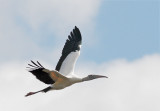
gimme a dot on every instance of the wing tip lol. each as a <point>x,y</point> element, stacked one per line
<point>76,27</point>
<point>34,66</point>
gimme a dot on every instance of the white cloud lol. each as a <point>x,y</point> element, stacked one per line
<point>130,86</point>
<point>59,13</point>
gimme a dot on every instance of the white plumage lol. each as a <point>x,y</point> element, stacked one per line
<point>67,67</point>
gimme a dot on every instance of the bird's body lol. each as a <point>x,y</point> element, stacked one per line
<point>63,75</point>
<point>62,81</point>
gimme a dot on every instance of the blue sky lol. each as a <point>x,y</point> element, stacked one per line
<point>115,30</point>
<point>126,29</point>
<point>123,29</point>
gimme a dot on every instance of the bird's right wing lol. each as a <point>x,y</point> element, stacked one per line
<point>70,53</point>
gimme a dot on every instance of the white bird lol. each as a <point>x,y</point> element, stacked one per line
<point>63,76</point>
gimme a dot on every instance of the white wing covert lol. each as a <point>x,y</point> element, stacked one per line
<point>70,53</point>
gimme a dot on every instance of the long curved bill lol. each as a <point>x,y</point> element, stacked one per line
<point>99,76</point>
<point>91,77</point>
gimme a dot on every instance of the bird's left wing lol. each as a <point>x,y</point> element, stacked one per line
<point>70,53</point>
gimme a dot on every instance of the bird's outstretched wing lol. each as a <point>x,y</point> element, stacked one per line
<point>70,53</point>
<point>40,72</point>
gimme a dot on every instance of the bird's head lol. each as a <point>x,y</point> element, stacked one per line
<point>91,77</point>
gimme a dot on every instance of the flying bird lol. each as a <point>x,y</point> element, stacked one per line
<point>63,75</point>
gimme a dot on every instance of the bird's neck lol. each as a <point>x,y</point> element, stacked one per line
<point>75,79</point>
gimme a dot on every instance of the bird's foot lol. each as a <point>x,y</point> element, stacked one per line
<point>29,94</point>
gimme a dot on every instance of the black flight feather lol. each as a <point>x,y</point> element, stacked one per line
<point>37,70</point>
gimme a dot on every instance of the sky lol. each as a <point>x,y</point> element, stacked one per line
<point>120,39</point>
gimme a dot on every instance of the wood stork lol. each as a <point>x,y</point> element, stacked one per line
<point>63,75</point>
